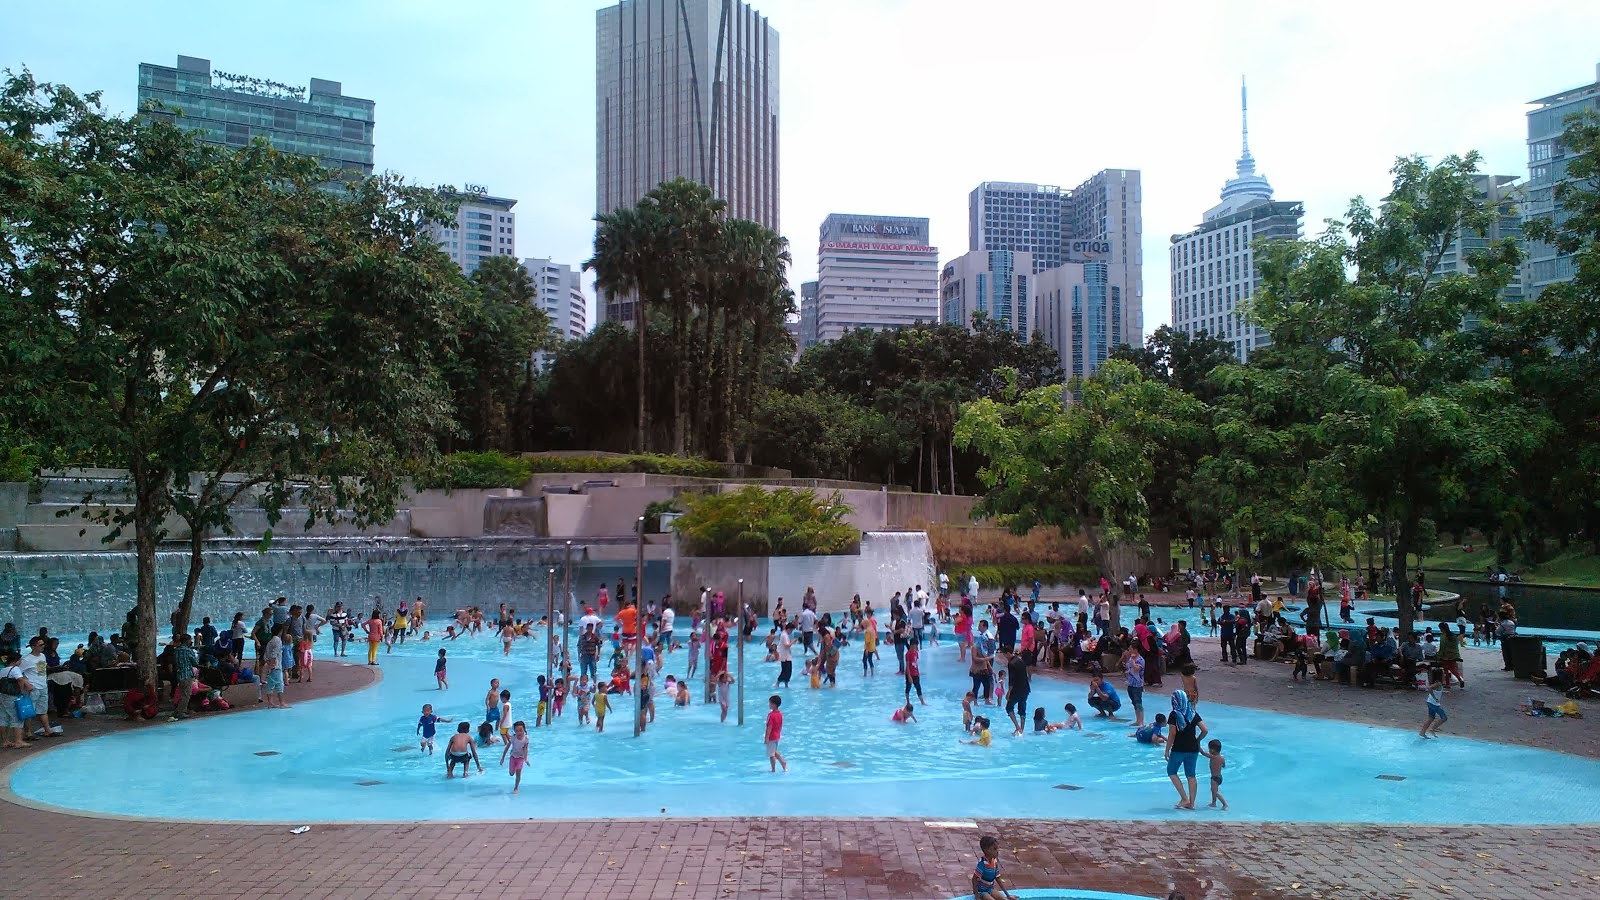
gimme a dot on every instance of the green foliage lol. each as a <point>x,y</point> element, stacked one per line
<point>649,463</point>
<point>821,434</point>
<point>490,367</point>
<point>653,511</point>
<point>470,469</point>
<point>1078,466</point>
<point>752,521</point>
<point>18,464</point>
<point>1023,575</point>
<point>192,311</point>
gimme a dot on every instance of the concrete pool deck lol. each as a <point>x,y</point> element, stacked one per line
<point>65,855</point>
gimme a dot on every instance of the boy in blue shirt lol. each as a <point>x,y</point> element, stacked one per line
<point>427,726</point>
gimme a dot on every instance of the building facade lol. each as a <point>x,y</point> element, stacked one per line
<point>808,315</point>
<point>685,88</point>
<point>1102,220</point>
<point>559,292</point>
<point>1214,269</point>
<point>1018,217</point>
<point>485,226</point>
<point>231,110</point>
<point>993,283</point>
<point>1078,312</point>
<point>874,272</point>
<point>1547,167</point>
<point>1505,195</point>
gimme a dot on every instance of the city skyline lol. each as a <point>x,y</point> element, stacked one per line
<point>481,107</point>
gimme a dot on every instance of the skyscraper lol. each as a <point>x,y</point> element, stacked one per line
<point>991,282</point>
<point>1214,267</point>
<point>559,292</point>
<point>485,226</point>
<point>685,88</point>
<point>230,110</point>
<point>1102,222</point>
<point>874,272</point>
<point>1074,312</point>
<point>1015,216</point>
<point>808,314</point>
<point>1547,167</point>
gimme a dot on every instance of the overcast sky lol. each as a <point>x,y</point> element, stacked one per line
<point>896,107</point>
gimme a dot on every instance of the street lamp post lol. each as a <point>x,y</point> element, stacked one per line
<point>566,604</point>
<point>740,632</point>
<point>638,631</point>
<point>705,611</point>
<point>549,649</point>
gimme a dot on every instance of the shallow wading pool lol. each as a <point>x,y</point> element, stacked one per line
<point>356,758</point>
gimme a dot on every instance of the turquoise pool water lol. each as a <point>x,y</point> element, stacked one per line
<point>355,757</point>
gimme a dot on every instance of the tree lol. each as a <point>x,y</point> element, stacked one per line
<point>629,251</point>
<point>1081,466</point>
<point>1401,401</point>
<point>194,311</point>
<point>501,328</point>
<point>753,521</point>
<point>1176,358</point>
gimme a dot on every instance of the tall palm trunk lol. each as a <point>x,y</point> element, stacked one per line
<point>638,327</point>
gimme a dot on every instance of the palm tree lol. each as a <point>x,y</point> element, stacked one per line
<point>755,259</point>
<point>694,218</point>
<point>628,244</point>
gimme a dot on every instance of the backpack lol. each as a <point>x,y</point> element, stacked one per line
<point>11,686</point>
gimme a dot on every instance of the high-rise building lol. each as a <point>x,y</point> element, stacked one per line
<point>1078,312</point>
<point>1503,194</point>
<point>485,226</point>
<point>1214,267</point>
<point>1026,218</point>
<point>991,282</point>
<point>685,88</point>
<point>230,110</point>
<point>1547,167</point>
<point>874,272</point>
<point>558,290</point>
<point>1101,221</point>
<point>808,314</point>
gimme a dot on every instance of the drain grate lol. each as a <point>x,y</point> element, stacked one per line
<point>1391,778</point>
<point>266,753</point>
<point>406,749</point>
<point>1068,787</point>
<point>845,764</point>
<point>368,783</point>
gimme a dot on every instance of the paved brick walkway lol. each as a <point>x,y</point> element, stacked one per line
<point>51,855</point>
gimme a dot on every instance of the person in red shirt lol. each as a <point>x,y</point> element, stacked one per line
<point>775,734</point>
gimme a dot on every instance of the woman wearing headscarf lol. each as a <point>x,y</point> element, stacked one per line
<point>1185,731</point>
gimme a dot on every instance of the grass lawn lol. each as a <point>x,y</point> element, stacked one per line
<point>1573,567</point>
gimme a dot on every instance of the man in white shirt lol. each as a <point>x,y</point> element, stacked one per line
<point>922,597</point>
<point>972,587</point>
<point>1102,615</point>
<point>1083,603</point>
<point>34,668</point>
<point>589,618</point>
<point>944,584</point>
<point>664,627</point>
<point>808,624</point>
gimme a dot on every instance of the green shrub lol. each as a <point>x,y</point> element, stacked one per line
<point>752,521</point>
<point>649,463</point>
<point>491,469</point>
<point>653,511</point>
<point>1023,576</point>
<point>18,464</point>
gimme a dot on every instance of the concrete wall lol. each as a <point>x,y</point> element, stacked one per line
<point>13,503</point>
<point>913,511</point>
<point>720,573</point>
<point>457,513</point>
<point>888,562</point>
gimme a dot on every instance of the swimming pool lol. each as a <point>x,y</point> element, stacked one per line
<point>355,758</point>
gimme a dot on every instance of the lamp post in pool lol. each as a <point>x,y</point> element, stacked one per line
<point>740,632</point>
<point>705,612</point>
<point>566,603</point>
<point>638,631</point>
<point>549,650</point>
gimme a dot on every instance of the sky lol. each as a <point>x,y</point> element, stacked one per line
<point>896,107</point>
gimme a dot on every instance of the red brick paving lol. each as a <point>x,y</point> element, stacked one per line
<point>54,855</point>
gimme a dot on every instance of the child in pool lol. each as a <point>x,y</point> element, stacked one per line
<point>814,671</point>
<point>683,694</point>
<point>460,751</point>
<point>1040,726</point>
<point>966,712</point>
<point>559,697</point>
<point>486,736</point>
<point>904,715</point>
<point>1213,752</point>
<point>980,727</point>
<point>517,749</point>
<point>602,703</point>
<point>1073,723</point>
<point>986,880</point>
<point>1154,733</point>
<point>724,685</point>
<point>585,696</point>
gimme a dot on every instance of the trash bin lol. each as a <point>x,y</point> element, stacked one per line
<point>1527,655</point>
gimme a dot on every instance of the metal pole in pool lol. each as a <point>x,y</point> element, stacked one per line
<point>566,604</point>
<point>740,632</point>
<point>705,612</point>
<point>638,632</point>
<point>549,650</point>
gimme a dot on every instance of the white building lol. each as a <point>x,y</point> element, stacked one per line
<point>1548,158</point>
<point>685,88</point>
<point>1102,221</point>
<point>485,226</point>
<point>874,272</point>
<point>991,282</point>
<point>559,292</point>
<point>1214,267</point>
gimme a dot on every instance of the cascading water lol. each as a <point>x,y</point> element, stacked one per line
<point>890,561</point>
<point>78,592</point>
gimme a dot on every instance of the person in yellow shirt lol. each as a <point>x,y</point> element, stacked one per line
<point>869,646</point>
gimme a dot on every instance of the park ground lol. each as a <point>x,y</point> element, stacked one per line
<point>46,854</point>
